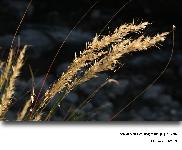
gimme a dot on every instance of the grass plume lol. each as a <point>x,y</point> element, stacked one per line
<point>6,99</point>
<point>102,54</point>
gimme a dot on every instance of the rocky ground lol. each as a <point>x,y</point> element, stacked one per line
<point>48,24</point>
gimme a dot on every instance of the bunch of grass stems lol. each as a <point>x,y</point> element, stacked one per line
<point>101,54</point>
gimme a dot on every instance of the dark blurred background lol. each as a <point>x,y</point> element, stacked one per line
<point>48,23</point>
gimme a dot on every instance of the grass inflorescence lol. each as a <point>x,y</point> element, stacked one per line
<point>101,54</point>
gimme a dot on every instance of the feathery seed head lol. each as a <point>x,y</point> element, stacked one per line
<point>103,54</point>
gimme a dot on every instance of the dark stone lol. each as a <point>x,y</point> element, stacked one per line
<point>153,92</point>
<point>165,99</point>
<point>147,114</point>
<point>72,98</point>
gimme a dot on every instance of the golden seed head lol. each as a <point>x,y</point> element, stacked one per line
<point>102,54</point>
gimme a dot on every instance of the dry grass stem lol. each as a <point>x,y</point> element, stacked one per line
<point>92,52</point>
<point>22,114</point>
<point>102,54</point>
<point>6,99</point>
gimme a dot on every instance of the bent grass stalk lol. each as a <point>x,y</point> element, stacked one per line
<point>100,55</point>
<point>92,53</point>
<point>89,98</point>
<point>96,59</point>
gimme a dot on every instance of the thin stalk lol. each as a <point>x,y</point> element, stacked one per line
<point>89,98</point>
<point>55,105</point>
